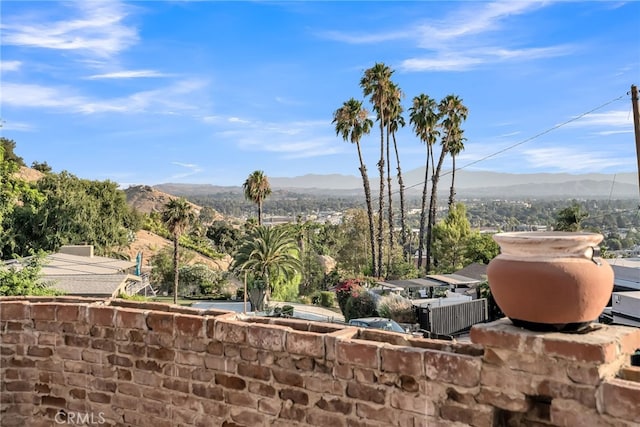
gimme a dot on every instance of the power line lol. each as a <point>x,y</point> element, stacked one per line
<point>524,141</point>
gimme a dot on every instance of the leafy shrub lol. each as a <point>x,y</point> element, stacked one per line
<point>344,291</point>
<point>327,299</point>
<point>396,307</point>
<point>359,304</point>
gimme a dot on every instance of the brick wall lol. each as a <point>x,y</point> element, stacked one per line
<point>73,361</point>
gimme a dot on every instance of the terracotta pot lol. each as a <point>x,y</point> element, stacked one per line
<point>550,280</point>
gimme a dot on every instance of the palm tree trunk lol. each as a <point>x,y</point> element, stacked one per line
<point>260,212</point>
<point>175,268</point>
<point>367,196</point>
<point>403,224</point>
<point>423,209</point>
<point>381,199</point>
<point>390,208</point>
<point>432,207</point>
<point>452,192</point>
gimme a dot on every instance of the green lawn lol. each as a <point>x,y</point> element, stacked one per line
<point>169,300</point>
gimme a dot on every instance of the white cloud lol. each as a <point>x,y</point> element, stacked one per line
<point>128,74</point>
<point>94,28</point>
<point>563,159</point>
<point>193,169</point>
<point>17,126</point>
<point>614,118</point>
<point>10,65</point>
<point>166,100</point>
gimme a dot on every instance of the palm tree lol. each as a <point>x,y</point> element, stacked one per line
<point>453,113</point>
<point>177,215</point>
<point>424,117</point>
<point>352,122</point>
<point>256,189</point>
<point>376,84</point>
<point>456,145</point>
<point>267,253</point>
<point>395,120</point>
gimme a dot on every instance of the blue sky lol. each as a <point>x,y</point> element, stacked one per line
<point>150,92</point>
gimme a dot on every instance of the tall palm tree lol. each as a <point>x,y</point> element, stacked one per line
<point>256,189</point>
<point>395,120</point>
<point>177,215</point>
<point>352,122</point>
<point>453,112</point>
<point>376,84</point>
<point>423,115</point>
<point>267,253</point>
<point>456,145</point>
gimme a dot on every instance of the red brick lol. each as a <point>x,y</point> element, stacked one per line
<point>254,371</point>
<point>305,343</point>
<point>117,360</point>
<point>335,405</point>
<point>163,354</point>
<point>262,389</point>
<point>452,368</point>
<point>43,311</point>
<point>366,392</point>
<point>496,334</point>
<point>296,396</point>
<point>266,337</point>
<point>102,316</point>
<point>176,384</point>
<point>364,354</point>
<point>230,381</point>
<point>581,351</point>
<point>240,398</point>
<point>67,313</point>
<point>160,322</point>
<point>621,399</point>
<point>406,360</point>
<point>192,326</point>
<point>381,413</point>
<point>15,311</point>
<point>207,391</point>
<point>247,417</point>
<point>99,397</point>
<point>630,373</point>
<point>324,419</point>
<point>189,358</point>
<point>630,340</point>
<point>287,377</point>
<point>131,319</point>
<point>230,331</point>
<point>39,351</point>
<point>269,406</point>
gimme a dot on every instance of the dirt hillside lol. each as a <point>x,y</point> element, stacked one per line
<point>149,244</point>
<point>28,174</point>
<point>146,199</point>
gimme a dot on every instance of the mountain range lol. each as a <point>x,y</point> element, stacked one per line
<point>468,184</point>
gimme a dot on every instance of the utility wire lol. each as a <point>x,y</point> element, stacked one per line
<point>529,139</point>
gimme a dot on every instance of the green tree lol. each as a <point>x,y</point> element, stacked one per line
<point>9,146</point>
<point>25,278</point>
<point>267,254</point>
<point>352,122</point>
<point>224,236</point>
<point>353,253</point>
<point>481,248</point>
<point>450,240</point>
<point>571,217</point>
<point>177,216</point>
<point>257,189</point>
<point>376,83</point>
<point>424,117</point>
<point>201,279</point>
<point>42,167</point>
<point>62,209</point>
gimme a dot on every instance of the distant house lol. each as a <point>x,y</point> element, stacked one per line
<point>74,270</point>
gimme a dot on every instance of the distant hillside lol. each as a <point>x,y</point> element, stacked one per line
<point>468,184</point>
<point>146,199</point>
<point>30,175</point>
